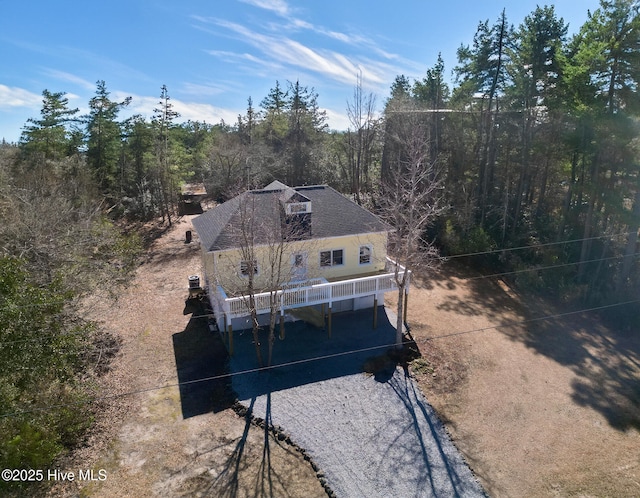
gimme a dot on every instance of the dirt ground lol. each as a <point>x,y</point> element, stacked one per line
<point>549,408</point>
<point>544,408</point>
<point>175,441</point>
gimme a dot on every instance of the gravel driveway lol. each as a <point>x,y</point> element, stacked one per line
<point>371,436</point>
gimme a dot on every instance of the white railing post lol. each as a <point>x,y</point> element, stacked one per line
<point>316,291</point>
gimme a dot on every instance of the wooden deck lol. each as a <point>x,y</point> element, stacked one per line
<point>300,294</point>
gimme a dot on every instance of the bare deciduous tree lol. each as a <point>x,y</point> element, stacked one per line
<point>360,138</point>
<point>411,200</point>
<point>266,242</point>
<point>247,237</point>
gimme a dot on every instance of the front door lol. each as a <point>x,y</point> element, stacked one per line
<point>299,266</point>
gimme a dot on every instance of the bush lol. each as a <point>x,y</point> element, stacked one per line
<point>42,406</point>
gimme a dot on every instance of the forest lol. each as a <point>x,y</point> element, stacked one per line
<point>535,145</point>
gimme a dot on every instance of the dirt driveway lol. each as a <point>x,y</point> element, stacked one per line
<point>547,409</point>
<point>176,442</point>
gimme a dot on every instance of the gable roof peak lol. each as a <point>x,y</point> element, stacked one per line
<point>276,185</point>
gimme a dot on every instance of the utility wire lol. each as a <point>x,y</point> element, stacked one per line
<point>317,358</point>
<point>521,248</point>
<point>479,277</point>
<point>444,258</point>
<point>551,267</point>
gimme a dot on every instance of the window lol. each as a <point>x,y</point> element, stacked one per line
<point>332,258</point>
<point>298,207</point>
<point>365,255</point>
<point>247,266</point>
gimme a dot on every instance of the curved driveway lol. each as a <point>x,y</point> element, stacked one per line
<point>371,437</point>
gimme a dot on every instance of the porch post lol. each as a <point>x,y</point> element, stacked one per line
<point>281,317</point>
<point>329,321</point>
<point>404,308</point>
<point>230,340</point>
<point>375,311</point>
<point>406,296</point>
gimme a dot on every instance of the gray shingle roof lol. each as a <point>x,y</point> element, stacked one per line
<point>333,215</point>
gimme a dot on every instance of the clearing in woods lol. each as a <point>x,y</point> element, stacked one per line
<point>545,408</point>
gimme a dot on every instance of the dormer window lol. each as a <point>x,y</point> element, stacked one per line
<point>296,214</point>
<point>298,207</point>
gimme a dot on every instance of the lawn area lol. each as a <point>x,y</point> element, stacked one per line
<point>542,408</point>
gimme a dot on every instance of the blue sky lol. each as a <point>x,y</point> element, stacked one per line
<point>213,55</point>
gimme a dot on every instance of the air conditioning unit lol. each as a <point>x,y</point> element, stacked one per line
<point>194,282</point>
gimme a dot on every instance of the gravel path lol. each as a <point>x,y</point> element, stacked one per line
<point>371,436</point>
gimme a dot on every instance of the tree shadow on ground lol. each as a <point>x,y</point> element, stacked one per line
<point>182,251</point>
<point>606,361</point>
<point>202,365</point>
<point>249,470</point>
<point>227,482</point>
<point>307,354</point>
<point>488,298</point>
<point>447,473</point>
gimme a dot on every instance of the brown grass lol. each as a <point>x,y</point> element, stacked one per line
<point>547,408</point>
<point>144,441</point>
<point>542,408</point>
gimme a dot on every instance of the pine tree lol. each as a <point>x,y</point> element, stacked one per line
<point>50,135</point>
<point>104,140</point>
<point>166,179</point>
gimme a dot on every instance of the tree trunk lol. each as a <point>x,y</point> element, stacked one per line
<point>400,312</point>
<point>630,251</point>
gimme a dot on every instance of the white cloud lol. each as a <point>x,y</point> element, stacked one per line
<point>238,58</point>
<point>202,90</point>
<point>278,6</point>
<point>11,97</point>
<point>71,78</point>
<point>337,120</point>
<point>194,111</point>
<point>328,63</point>
<point>189,111</point>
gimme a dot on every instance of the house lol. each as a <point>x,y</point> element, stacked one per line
<point>300,247</point>
<point>191,194</point>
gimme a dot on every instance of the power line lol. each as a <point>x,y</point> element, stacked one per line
<point>317,358</point>
<point>546,244</point>
<point>445,258</point>
<point>205,379</point>
<point>479,277</point>
<point>550,267</point>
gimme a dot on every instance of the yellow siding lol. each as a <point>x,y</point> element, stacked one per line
<point>351,251</point>
<point>225,265</point>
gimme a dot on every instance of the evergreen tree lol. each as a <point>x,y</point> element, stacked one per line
<point>50,136</point>
<point>432,94</point>
<point>536,68</point>
<point>138,159</point>
<point>306,124</point>
<point>274,106</point>
<point>248,123</point>
<point>482,70</point>
<point>166,173</point>
<point>432,91</point>
<point>608,48</point>
<point>104,140</point>
<point>400,102</point>
<point>604,76</point>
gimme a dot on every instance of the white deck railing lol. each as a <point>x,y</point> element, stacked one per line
<point>316,291</point>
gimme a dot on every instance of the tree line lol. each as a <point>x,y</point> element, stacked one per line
<point>534,144</point>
